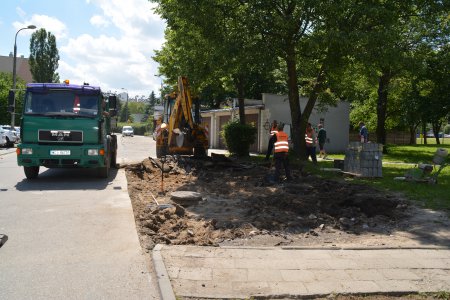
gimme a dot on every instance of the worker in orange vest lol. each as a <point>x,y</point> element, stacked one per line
<point>311,140</point>
<point>281,153</point>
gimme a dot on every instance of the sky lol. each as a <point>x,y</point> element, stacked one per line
<point>106,43</point>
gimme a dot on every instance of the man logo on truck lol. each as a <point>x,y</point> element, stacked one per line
<point>60,134</point>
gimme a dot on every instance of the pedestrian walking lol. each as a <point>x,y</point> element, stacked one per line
<point>363,132</point>
<point>322,137</point>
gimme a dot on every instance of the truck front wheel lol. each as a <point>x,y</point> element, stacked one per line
<point>31,172</point>
<point>103,172</point>
<point>114,159</point>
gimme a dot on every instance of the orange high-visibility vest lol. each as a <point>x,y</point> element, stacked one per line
<point>282,144</point>
<point>308,138</point>
<point>274,130</point>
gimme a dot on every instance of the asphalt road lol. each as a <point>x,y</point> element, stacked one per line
<point>71,235</point>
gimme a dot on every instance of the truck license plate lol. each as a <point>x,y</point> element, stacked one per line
<point>59,152</point>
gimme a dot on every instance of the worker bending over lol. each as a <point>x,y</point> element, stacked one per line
<point>273,132</point>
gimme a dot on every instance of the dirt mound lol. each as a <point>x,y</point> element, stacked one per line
<point>239,206</point>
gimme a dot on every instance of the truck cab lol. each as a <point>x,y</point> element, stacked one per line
<point>67,126</point>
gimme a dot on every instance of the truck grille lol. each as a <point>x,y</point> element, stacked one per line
<point>60,136</point>
<point>57,162</point>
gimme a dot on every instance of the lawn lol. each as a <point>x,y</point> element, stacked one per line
<point>433,141</point>
<point>401,159</point>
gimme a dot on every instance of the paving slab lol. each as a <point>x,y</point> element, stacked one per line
<point>237,272</point>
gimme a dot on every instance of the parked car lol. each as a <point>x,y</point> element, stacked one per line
<point>430,134</point>
<point>17,128</point>
<point>2,138</point>
<point>10,135</point>
<point>127,131</point>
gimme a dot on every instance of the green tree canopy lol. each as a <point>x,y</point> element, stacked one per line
<point>44,56</point>
<point>325,50</point>
<point>5,85</point>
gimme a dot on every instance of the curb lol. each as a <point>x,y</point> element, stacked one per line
<point>165,287</point>
<point>8,151</point>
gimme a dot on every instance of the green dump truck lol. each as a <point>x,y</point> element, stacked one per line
<point>67,126</point>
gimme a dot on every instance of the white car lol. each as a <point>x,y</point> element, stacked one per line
<point>17,128</point>
<point>10,135</point>
<point>127,131</point>
<point>2,139</point>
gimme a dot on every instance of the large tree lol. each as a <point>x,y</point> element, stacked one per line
<point>44,56</point>
<point>220,41</point>
<point>392,37</point>
<point>437,82</point>
<point>209,42</point>
<point>241,44</point>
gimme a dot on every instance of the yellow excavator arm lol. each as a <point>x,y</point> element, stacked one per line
<point>182,134</point>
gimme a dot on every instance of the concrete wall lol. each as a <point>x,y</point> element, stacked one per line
<point>336,121</point>
<point>22,67</point>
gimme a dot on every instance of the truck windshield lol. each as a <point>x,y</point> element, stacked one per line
<point>58,102</point>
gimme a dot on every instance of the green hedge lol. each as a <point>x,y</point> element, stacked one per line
<point>238,137</point>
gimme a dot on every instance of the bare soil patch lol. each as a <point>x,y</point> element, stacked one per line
<point>239,205</point>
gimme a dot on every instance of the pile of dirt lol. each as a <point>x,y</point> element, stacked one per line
<point>239,204</point>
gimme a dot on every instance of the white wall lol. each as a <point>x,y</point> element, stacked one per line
<point>336,120</point>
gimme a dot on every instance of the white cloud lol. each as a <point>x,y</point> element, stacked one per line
<point>117,62</point>
<point>99,21</point>
<point>22,14</point>
<point>53,25</point>
<point>110,63</point>
<point>120,59</point>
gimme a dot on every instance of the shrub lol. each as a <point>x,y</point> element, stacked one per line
<point>238,137</point>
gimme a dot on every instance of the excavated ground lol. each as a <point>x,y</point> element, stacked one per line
<point>241,205</point>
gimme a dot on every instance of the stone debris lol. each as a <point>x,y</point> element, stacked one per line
<point>242,208</point>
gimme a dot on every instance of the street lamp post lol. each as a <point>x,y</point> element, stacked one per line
<point>13,115</point>
<point>126,112</point>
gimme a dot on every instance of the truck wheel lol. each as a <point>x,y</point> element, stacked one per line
<point>31,172</point>
<point>103,172</point>
<point>158,152</point>
<point>114,151</point>
<point>114,159</point>
<point>9,143</point>
<point>200,151</point>
<point>162,151</point>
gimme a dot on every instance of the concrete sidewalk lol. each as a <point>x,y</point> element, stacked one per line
<point>219,272</point>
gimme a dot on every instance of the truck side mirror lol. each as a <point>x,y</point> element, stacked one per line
<point>11,101</point>
<point>112,100</point>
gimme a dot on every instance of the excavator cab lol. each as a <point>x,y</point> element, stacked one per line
<point>181,132</point>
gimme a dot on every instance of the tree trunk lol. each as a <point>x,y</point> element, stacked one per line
<point>297,128</point>
<point>382,101</point>
<point>424,130</point>
<point>412,135</point>
<point>240,94</point>
<point>313,96</point>
<point>436,129</point>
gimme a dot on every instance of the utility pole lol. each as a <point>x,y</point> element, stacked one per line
<point>13,113</point>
